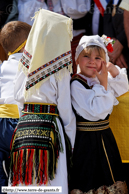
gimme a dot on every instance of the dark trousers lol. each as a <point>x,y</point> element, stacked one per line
<point>7,126</point>
<point>3,176</point>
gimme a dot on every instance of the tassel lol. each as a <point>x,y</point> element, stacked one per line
<point>37,164</point>
<point>46,167</point>
<point>51,163</point>
<point>17,167</point>
<point>34,167</point>
<point>24,165</point>
<point>27,167</point>
<point>14,169</point>
<point>36,14</point>
<point>30,165</point>
<point>41,167</point>
<point>20,166</point>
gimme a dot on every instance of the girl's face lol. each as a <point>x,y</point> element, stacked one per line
<point>88,63</point>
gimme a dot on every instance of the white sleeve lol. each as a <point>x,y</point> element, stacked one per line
<point>65,107</point>
<point>30,7</point>
<point>19,83</point>
<point>119,84</point>
<point>92,104</point>
<point>75,9</point>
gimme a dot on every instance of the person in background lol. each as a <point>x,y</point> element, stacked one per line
<point>5,9</point>
<point>114,27</point>
<point>12,37</point>
<point>125,6</point>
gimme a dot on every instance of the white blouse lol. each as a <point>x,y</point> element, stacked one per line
<point>8,70</point>
<point>52,91</point>
<point>96,103</point>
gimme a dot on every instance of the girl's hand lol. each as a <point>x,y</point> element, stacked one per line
<point>112,69</point>
<point>103,76</point>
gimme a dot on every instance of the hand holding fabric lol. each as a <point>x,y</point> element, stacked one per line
<point>121,62</point>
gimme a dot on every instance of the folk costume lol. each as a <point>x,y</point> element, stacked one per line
<point>46,130</point>
<point>97,166</point>
<point>9,111</point>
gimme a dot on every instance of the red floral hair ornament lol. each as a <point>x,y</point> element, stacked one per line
<point>108,42</point>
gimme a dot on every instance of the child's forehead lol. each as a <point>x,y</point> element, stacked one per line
<point>90,50</point>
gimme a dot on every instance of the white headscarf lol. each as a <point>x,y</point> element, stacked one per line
<point>47,50</point>
<point>90,40</point>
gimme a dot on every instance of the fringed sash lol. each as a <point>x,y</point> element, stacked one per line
<point>35,146</point>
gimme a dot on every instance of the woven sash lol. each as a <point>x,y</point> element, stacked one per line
<point>9,111</point>
<point>93,126</point>
<point>38,108</point>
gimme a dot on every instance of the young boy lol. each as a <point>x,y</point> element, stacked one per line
<point>40,142</point>
<point>12,37</point>
<point>96,160</point>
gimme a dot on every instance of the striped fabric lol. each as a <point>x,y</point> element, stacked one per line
<point>101,4</point>
<point>40,108</point>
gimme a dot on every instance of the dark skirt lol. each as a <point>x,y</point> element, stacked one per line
<point>96,160</point>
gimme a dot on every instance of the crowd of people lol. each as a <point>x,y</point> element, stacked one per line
<point>60,78</point>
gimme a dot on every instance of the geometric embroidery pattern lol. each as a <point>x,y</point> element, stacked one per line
<point>25,59</point>
<point>40,132</point>
<point>39,108</point>
<point>50,63</point>
<point>48,69</point>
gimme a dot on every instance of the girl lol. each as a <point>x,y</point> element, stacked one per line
<point>96,161</point>
<point>46,130</point>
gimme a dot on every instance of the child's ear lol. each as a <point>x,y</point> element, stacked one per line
<point>22,49</point>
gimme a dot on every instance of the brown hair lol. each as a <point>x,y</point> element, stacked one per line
<point>13,34</point>
<point>100,50</point>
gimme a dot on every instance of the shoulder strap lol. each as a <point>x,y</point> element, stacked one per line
<point>80,79</point>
